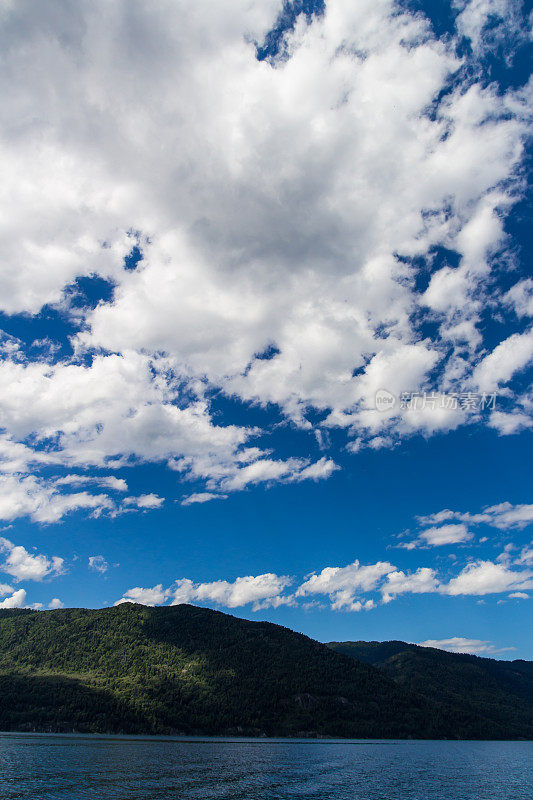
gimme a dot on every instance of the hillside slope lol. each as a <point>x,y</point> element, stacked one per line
<point>189,670</point>
<point>501,692</point>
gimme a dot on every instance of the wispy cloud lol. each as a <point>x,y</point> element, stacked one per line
<point>98,564</point>
<point>454,527</point>
<point>202,497</point>
<point>459,644</point>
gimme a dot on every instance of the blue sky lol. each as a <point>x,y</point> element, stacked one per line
<point>266,314</point>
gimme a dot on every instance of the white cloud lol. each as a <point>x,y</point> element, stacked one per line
<point>146,597</point>
<point>24,566</point>
<point>202,497</point>
<point>486,577</point>
<point>145,501</point>
<point>27,495</point>
<point>458,644</point>
<point>446,534</point>
<point>55,603</point>
<point>343,584</point>
<point>420,582</point>
<point>437,517</point>
<point>320,470</point>
<point>505,516</point>
<point>519,596</point>
<point>526,556</point>
<point>43,501</point>
<point>92,409</point>
<point>262,471</point>
<point>509,357</point>
<point>98,564</point>
<point>274,602</point>
<point>489,23</point>
<point>241,591</point>
<point>17,600</point>
<point>347,588</point>
<point>344,601</point>
<point>276,209</point>
<point>249,589</point>
<point>268,470</point>
<point>16,457</point>
<point>507,423</point>
<point>520,298</point>
<point>106,481</point>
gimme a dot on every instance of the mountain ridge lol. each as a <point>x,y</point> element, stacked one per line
<point>498,688</point>
<point>190,670</point>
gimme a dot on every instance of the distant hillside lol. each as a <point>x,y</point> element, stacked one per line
<point>501,692</point>
<point>190,670</point>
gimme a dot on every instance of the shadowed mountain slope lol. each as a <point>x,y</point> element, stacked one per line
<point>190,670</point>
<point>500,692</point>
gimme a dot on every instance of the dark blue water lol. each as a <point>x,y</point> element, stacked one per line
<point>39,767</point>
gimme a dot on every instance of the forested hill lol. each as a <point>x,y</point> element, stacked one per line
<point>499,691</point>
<point>189,670</point>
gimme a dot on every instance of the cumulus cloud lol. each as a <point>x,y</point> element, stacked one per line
<point>448,527</point>
<point>146,597</point>
<point>28,495</point>
<point>25,566</point>
<point>95,410</point>
<point>16,457</point>
<point>345,588</point>
<point>509,357</point>
<point>510,422</point>
<point>55,603</point>
<point>446,534</point>
<point>17,600</point>
<point>145,501</point>
<point>279,226</point>
<point>506,516</point>
<point>486,577</point>
<point>343,584</point>
<point>520,298</point>
<point>420,582</point>
<point>44,501</point>
<point>256,589</point>
<point>240,592</point>
<point>489,23</point>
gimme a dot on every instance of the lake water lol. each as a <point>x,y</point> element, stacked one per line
<point>49,766</point>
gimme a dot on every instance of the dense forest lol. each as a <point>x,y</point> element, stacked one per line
<point>189,670</point>
<point>499,691</point>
